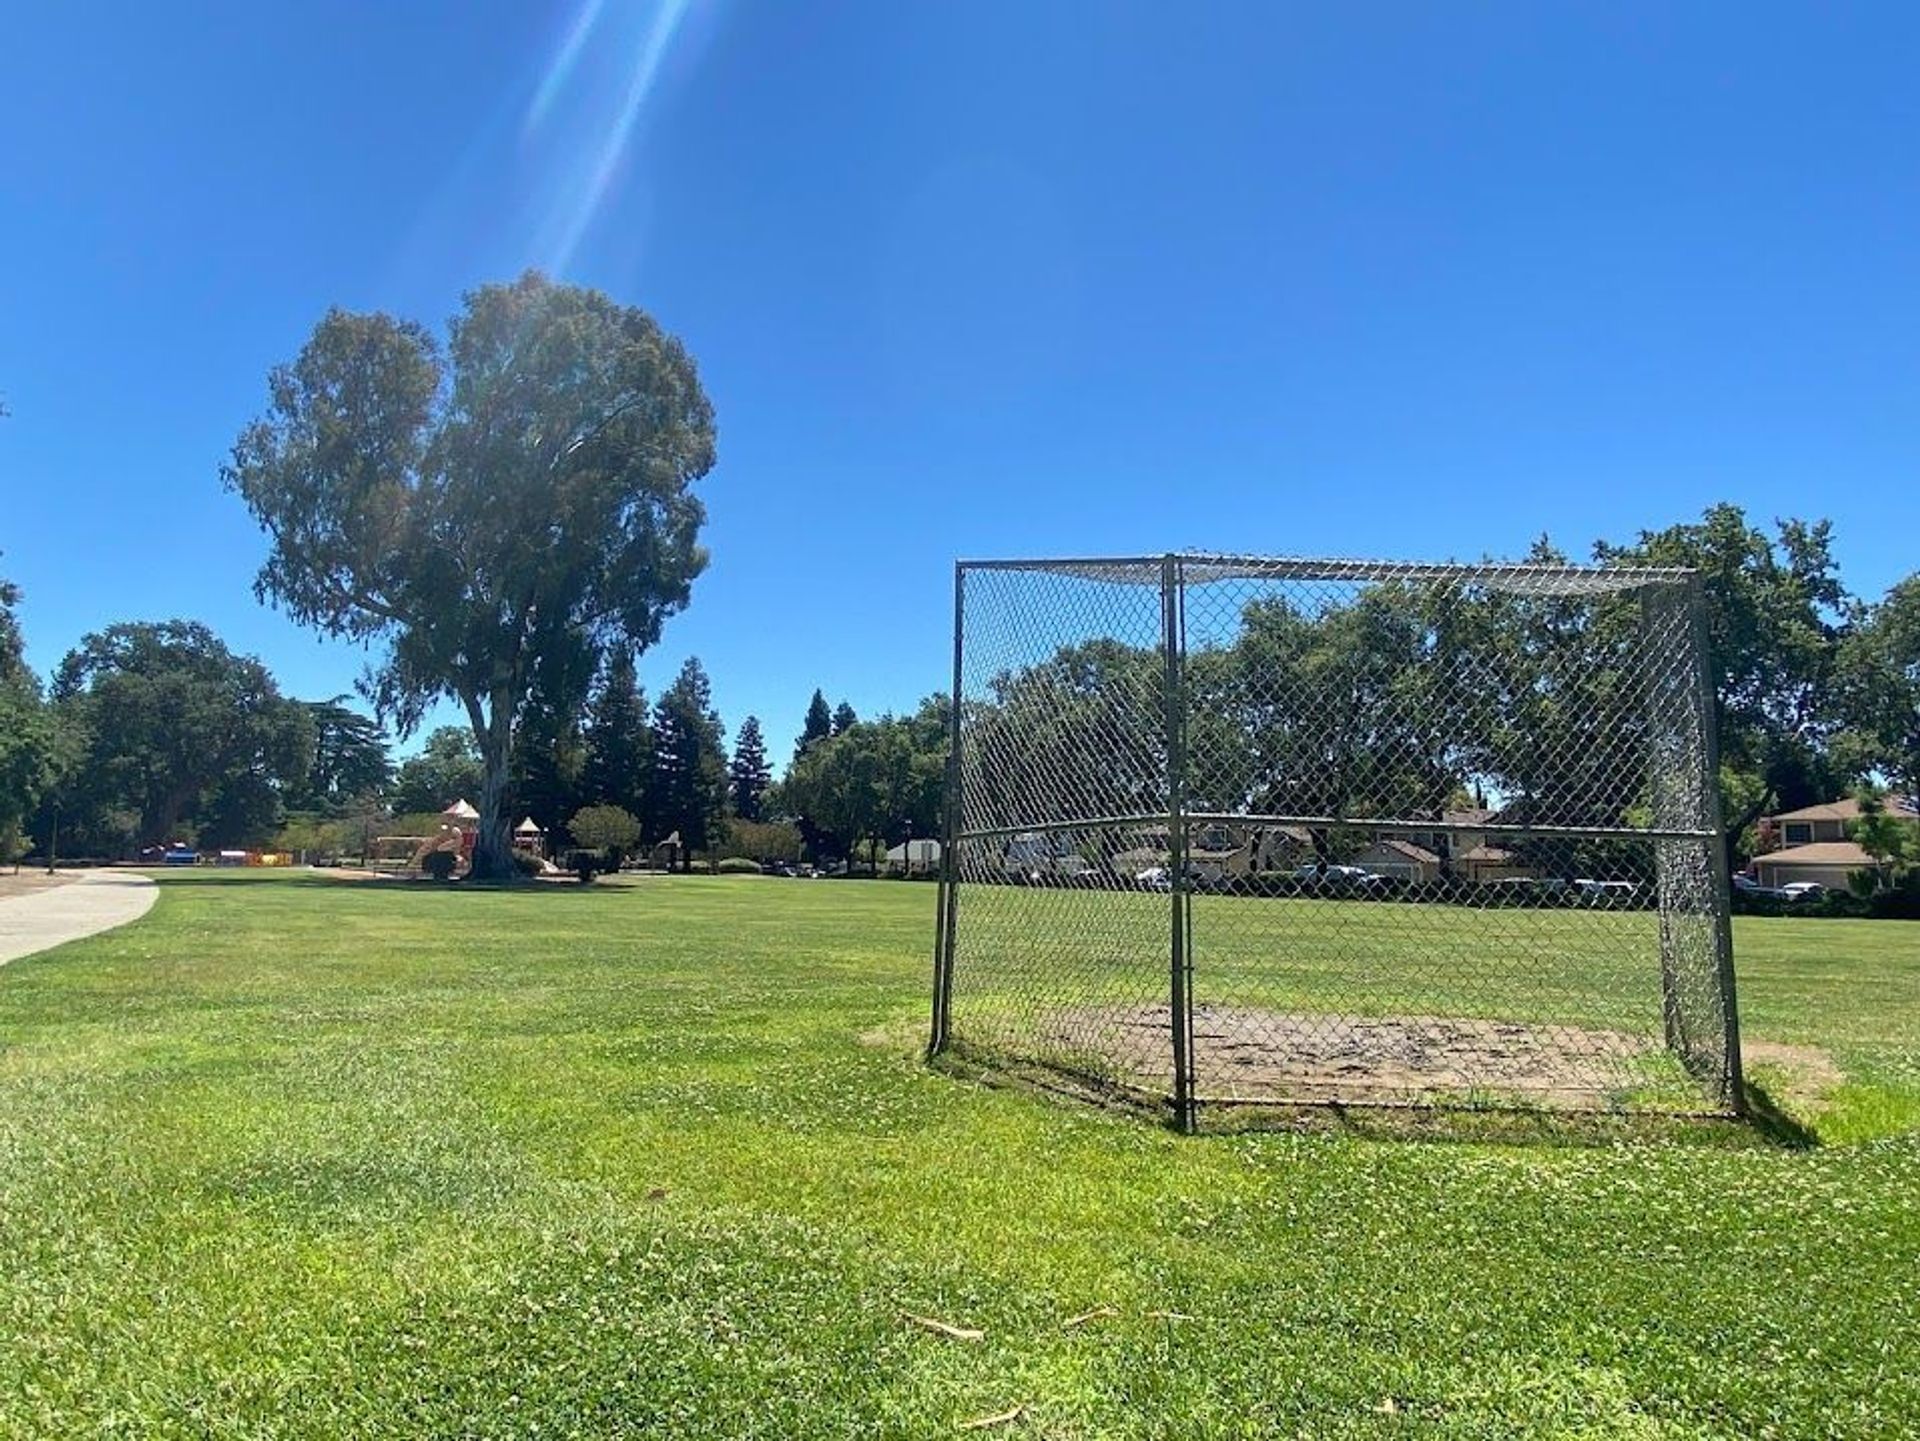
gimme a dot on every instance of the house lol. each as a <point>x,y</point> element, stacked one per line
<point>913,858</point>
<point>1219,851</point>
<point>1827,862</point>
<point>1491,863</point>
<point>1460,848</point>
<point>1815,843</point>
<point>1813,825</point>
<point>1403,860</point>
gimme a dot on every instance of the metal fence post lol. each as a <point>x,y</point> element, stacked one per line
<point>946,897</point>
<point>1733,1078</point>
<point>1179,999</point>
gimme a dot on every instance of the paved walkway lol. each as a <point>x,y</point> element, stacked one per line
<point>98,901</point>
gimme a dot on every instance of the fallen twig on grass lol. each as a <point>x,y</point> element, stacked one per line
<point>945,1328</point>
<point>1096,1314</point>
<point>1004,1418</point>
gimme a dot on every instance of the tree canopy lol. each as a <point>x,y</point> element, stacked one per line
<point>876,780</point>
<point>689,789</point>
<point>619,740</point>
<point>446,770</point>
<point>28,749</point>
<point>349,758</point>
<point>817,726</point>
<point>1880,666</point>
<point>1776,617</point>
<point>498,510</point>
<point>749,775</point>
<point>179,734</point>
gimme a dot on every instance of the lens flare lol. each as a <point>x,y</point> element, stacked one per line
<point>608,127</point>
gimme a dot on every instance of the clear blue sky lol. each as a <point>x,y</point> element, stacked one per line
<point>1414,279</point>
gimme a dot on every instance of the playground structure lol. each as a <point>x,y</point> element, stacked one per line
<point>1247,832</point>
<point>457,833</point>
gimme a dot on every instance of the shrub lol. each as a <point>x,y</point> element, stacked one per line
<point>738,866</point>
<point>607,829</point>
<point>584,864</point>
<point>439,864</point>
<point>527,863</point>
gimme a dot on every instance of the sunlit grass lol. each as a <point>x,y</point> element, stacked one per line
<point>296,1158</point>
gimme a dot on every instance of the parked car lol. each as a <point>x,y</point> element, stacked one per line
<point>1341,878</point>
<point>1160,878</point>
<point>1746,885</point>
<point>1595,892</point>
<point>1803,890</point>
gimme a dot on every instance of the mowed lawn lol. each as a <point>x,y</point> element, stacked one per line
<point>296,1157</point>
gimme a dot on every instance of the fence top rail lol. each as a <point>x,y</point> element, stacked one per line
<point>1200,568</point>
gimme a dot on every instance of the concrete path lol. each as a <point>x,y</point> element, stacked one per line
<point>98,901</point>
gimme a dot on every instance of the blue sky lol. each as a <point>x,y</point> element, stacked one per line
<point>1410,280</point>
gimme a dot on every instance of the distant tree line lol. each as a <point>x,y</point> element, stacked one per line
<point>1405,700</point>
<point>153,732</point>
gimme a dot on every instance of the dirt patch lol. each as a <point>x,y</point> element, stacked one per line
<point>904,1035</point>
<point>1810,1072</point>
<point>26,882</point>
<point>1244,1053</point>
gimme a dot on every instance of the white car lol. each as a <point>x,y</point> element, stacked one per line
<point>1803,890</point>
<point>1598,892</point>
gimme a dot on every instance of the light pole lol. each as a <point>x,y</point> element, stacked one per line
<point>53,839</point>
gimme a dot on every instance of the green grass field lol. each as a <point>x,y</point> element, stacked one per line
<point>298,1158</point>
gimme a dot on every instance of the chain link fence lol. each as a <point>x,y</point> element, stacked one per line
<point>1253,832</point>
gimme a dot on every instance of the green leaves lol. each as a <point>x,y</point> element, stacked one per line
<point>176,729</point>
<point>498,512</point>
<point>688,786</point>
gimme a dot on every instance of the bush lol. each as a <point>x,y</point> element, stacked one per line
<point>584,864</point>
<point>439,864</point>
<point>607,829</point>
<point>527,863</point>
<point>738,866</point>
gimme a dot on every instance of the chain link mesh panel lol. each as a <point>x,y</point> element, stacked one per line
<point>1255,831</point>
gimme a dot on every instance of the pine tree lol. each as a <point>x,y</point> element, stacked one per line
<point>819,725</point>
<point>844,719</point>
<point>549,757</point>
<point>619,743</point>
<point>688,788</point>
<point>749,775</point>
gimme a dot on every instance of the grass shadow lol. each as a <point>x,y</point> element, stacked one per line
<point>1765,1123</point>
<point>1775,1124</point>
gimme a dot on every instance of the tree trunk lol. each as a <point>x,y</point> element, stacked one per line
<point>493,846</point>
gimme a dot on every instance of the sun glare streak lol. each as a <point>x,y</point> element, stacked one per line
<point>585,188</point>
<point>563,62</point>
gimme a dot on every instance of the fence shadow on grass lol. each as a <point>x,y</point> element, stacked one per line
<point>1766,1124</point>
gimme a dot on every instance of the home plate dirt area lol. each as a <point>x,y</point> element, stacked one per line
<point>1247,1053</point>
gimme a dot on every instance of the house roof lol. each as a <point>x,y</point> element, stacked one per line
<point>1496,854</point>
<point>1820,853</point>
<point>1474,817</point>
<point>1409,850</point>
<point>1845,810</point>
